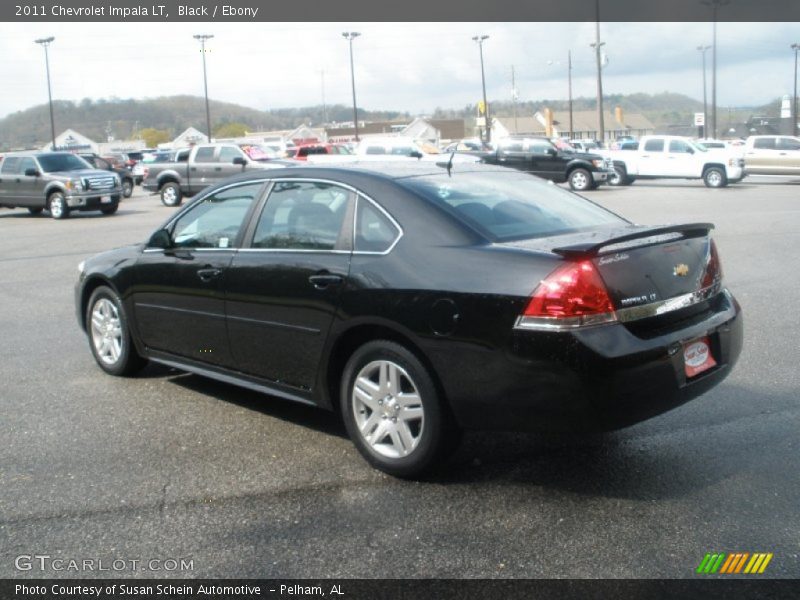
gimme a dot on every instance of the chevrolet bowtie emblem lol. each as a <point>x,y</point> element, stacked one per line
<point>681,270</point>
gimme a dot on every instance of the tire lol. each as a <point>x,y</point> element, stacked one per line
<point>35,210</point>
<point>401,445</point>
<point>618,177</point>
<point>580,180</point>
<point>127,188</point>
<point>171,194</point>
<point>714,177</point>
<point>57,205</point>
<point>109,210</point>
<point>109,335</point>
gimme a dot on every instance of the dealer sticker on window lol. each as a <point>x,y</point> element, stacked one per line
<point>697,356</point>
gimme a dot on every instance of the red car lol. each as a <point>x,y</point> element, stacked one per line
<point>302,151</point>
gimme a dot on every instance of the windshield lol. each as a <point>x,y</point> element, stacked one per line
<point>53,163</point>
<point>509,206</point>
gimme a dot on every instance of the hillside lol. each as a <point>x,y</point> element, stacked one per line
<point>123,118</point>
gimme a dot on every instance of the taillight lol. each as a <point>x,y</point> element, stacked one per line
<point>572,296</point>
<point>713,272</point>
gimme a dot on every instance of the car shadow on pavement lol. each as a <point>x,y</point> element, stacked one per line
<point>299,414</point>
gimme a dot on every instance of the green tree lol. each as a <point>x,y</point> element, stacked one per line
<point>230,130</point>
<point>154,137</point>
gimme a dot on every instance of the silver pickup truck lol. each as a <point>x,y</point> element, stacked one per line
<point>205,165</point>
<point>59,182</point>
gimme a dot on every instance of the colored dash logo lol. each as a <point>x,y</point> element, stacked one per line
<point>736,562</point>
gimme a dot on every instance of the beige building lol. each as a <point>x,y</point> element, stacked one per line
<point>584,125</point>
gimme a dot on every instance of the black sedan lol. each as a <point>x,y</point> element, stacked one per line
<point>419,299</point>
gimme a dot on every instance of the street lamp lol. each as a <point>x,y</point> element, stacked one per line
<point>598,45</point>
<point>478,39</point>
<point>202,39</point>
<point>714,4</point>
<point>705,104</point>
<point>794,47</point>
<point>45,43</point>
<point>350,36</point>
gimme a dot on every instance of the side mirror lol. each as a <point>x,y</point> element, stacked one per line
<point>415,154</point>
<point>690,150</point>
<point>551,151</point>
<point>239,160</point>
<point>160,239</point>
<point>32,173</point>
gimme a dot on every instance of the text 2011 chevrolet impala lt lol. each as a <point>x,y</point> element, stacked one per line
<point>420,300</point>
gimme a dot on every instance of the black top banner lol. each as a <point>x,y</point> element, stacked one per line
<point>404,11</point>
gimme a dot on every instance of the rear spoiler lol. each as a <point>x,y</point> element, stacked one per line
<point>588,250</point>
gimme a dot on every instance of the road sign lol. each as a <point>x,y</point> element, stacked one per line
<point>699,119</point>
<point>481,107</point>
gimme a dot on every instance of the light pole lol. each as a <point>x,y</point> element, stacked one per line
<point>350,36</point>
<point>597,50</point>
<point>45,43</point>
<point>478,39</point>
<point>569,79</point>
<point>794,47</point>
<point>202,39</point>
<point>714,4</point>
<point>705,104</point>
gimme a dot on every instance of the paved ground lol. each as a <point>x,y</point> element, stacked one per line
<point>173,466</point>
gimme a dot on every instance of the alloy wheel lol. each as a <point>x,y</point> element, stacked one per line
<point>106,331</point>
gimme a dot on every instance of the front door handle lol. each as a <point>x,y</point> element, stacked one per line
<point>323,280</point>
<point>207,275</point>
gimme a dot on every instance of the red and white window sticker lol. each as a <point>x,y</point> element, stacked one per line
<point>697,356</point>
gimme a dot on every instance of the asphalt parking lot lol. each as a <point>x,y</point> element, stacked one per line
<point>172,466</point>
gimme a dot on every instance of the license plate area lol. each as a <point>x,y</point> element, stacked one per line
<point>697,356</point>
<point>105,199</point>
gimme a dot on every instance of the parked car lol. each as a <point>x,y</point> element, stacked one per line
<point>120,160</point>
<point>125,176</point>
<point>418,300</point>
<point>303,151</point>
<point>772,155</point>
<point>673,157</point>
<point>59,182</point>
<point>542,158</point>
<point>205,165</point>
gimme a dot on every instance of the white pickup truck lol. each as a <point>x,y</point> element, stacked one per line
<point>669,156</point>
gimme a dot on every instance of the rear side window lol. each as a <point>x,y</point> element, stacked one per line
<point>375,232</point>
<point>509,206</point>
<point>10,165</point>
<point>204,154</point>
<point>764,143</point>
<point>788,144</point>
<point>303,215</point>
<point>654,146</point>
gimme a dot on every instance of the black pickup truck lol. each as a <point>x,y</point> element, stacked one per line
<point>541,157</point>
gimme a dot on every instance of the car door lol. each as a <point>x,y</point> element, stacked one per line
<point>283,290</point>
<point>788,160</point>
<point>651,158</point>
<point>226,166</point>
<point>179,294</point>
<point>9,172</point>
<point>546,161</point>
<point>28,190</point>
<point>202,168</point>
<point>762,157</point>
<point>680,160</point>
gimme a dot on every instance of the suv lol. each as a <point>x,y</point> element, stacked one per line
<point>125,176</point>
<point>57,181</point>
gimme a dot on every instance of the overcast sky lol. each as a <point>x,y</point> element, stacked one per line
<point>414,66</point>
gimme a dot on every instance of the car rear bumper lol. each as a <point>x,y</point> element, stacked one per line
<point>149,186</point>
<point>599,379</point>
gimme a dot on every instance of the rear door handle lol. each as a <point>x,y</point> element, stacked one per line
<point>323,280</point>
<point>207,275</point>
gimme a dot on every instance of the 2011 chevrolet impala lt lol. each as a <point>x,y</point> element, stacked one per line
<point>419,299</point>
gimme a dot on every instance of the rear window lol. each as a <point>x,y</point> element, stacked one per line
<point>510,206</point>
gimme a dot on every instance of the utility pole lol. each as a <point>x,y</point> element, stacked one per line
<point>597,50</point>
<point>514,97</point>
<point>324,106</point>
<point>569,79</point>
<point>350,36</point>
<point>45,43</point>
<point>794,47</point>
<point>202,39</point>
<point>478,39</point>
<point>705,104</point>
<point>714,4</point>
